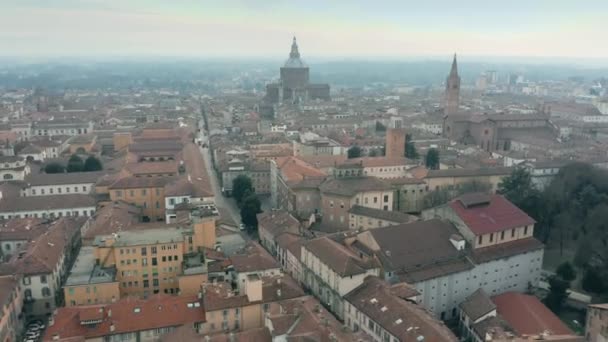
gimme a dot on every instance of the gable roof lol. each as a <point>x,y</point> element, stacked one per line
<point>354,185</point>
<point>490,214</point>
<point>528,316</point>
<point>338,257</point>
<point>477,305</point>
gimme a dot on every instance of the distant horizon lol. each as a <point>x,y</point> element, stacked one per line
<point>387,29</point>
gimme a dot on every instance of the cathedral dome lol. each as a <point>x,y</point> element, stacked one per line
<point>294,60</point>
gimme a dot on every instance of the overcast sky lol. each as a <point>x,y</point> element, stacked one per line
<point>324,28</point>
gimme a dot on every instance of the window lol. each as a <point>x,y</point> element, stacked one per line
<point>144,251</point>
<point>385,198</point>
<point>46,292</point>
<point>157,205</point>
<point>146,283</point>
<point>375,199</point>
<point>172,201</point>
<point>164,258</point>
<point>43,279</point>
<point>492,237</point>
<point>154,262</point>
<point>153,249</point>
<point>480,240</point>
<point>502,235</point>
<point>144,261</point>
<point>117,193</point>
<point>525,230</point>
<point>154,282</point>
<point>513,232</point>
<point>132,193</point>
<point>143,192</point>
<point>27,281</point>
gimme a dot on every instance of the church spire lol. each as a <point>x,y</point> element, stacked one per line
<point>454,70</point>
<point>294,49</point>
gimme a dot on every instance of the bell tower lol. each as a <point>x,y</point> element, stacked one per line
<point>452,90</point>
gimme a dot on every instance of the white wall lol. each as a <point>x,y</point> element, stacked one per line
<point>80,211</point>
<point>65,189</point>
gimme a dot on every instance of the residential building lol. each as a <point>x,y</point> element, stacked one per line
<point>380,167</point>
<point>453,178</point>
<point>486,244</point>
<point>273,223</point>
<point>69,127</point>
<point>51,206</point>
<point>364,218</point>
<point>511,316</point>
<point>11,301</point>
<point>252,259</point>
<point>16,233</point>
<point>128,319</point>
<point>289,250</point>
<point>90,283</point>
<point>389,313</point>
<point>596,324</point>
<point>339,195</point>
<point>42,265</point>
<point>294,186</point>
<point>46,184</point>
<point>330,271</point>
<point>409,194</point>
<point>148,193</point>
<point>112,218</point>
<point>183,191</point>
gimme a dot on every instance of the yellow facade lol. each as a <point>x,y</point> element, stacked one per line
<point>151,200</point>
<point>88,294</point>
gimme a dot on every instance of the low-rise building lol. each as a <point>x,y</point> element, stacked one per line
<point>389,313</point>
<point>46,184</point>
<point>273,223</point>
<point>16,233</point>
<point>42,266</point>
<point>339,195</point>
<point>148,193</point>
<point>363,218</point>
<point>452,178</point>
<point>51,206</point>
<point>11,303</point>
<point>330,271</point>
<point>596,324</point>
<point>409,194</point>
<point>128,319</point>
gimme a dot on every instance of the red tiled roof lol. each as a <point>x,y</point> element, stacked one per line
<point>156,312</point>
<point>494,216</point>
<point>527,315</point>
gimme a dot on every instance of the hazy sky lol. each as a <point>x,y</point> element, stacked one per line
<point>348,28</point>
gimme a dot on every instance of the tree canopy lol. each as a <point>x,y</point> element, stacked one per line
<point>241,186</point>
<point>250,207</point>
<point>75,164</point>
<point>354,152</point>
<point>54,168</point>
<point>432,159</point>
<point>410,148</point>
<point>92,164</point>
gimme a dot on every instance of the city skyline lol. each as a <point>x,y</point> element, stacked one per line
<point>264,29</point>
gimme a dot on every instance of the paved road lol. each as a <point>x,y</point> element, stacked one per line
<point>221,202</point>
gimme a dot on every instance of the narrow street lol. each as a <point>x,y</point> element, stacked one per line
<point>223,203</point>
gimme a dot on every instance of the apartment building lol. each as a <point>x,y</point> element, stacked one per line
<point>364,218</point>
<point>16,233</point>
<point>475,241</point>
<point>148,193</point>
<point>42,265</point>
<point>51,206</point>
<point>11,303</point>
<point>273,223</point>
<point>409,194</point>
<point>388,313</point>
<point>330,271</point>
<point>128,319</point>
<point>339,195</point>
<point>452,178</point>
<point>141,262</point>
<point>47,184</point>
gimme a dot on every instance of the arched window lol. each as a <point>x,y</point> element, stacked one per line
<point>46,292</point>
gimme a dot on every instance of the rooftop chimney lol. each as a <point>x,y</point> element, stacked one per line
<point>112,327</point>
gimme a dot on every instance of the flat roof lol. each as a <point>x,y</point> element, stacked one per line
<point>85,271</point>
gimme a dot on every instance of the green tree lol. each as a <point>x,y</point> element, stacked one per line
<point>354,152</point>
<point>250,207</point>
<point>558,293</point>
<point>92,164</point>
<point>518,186</point>
<point>380,127</point>
<point>75,164</point>
<point>566,271</point>
<point>592,281</point>
<point>54,168</point>
<point>432,159</point>
<point>473,186</point>
<point>410,148</point>
<point>241,185</point>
